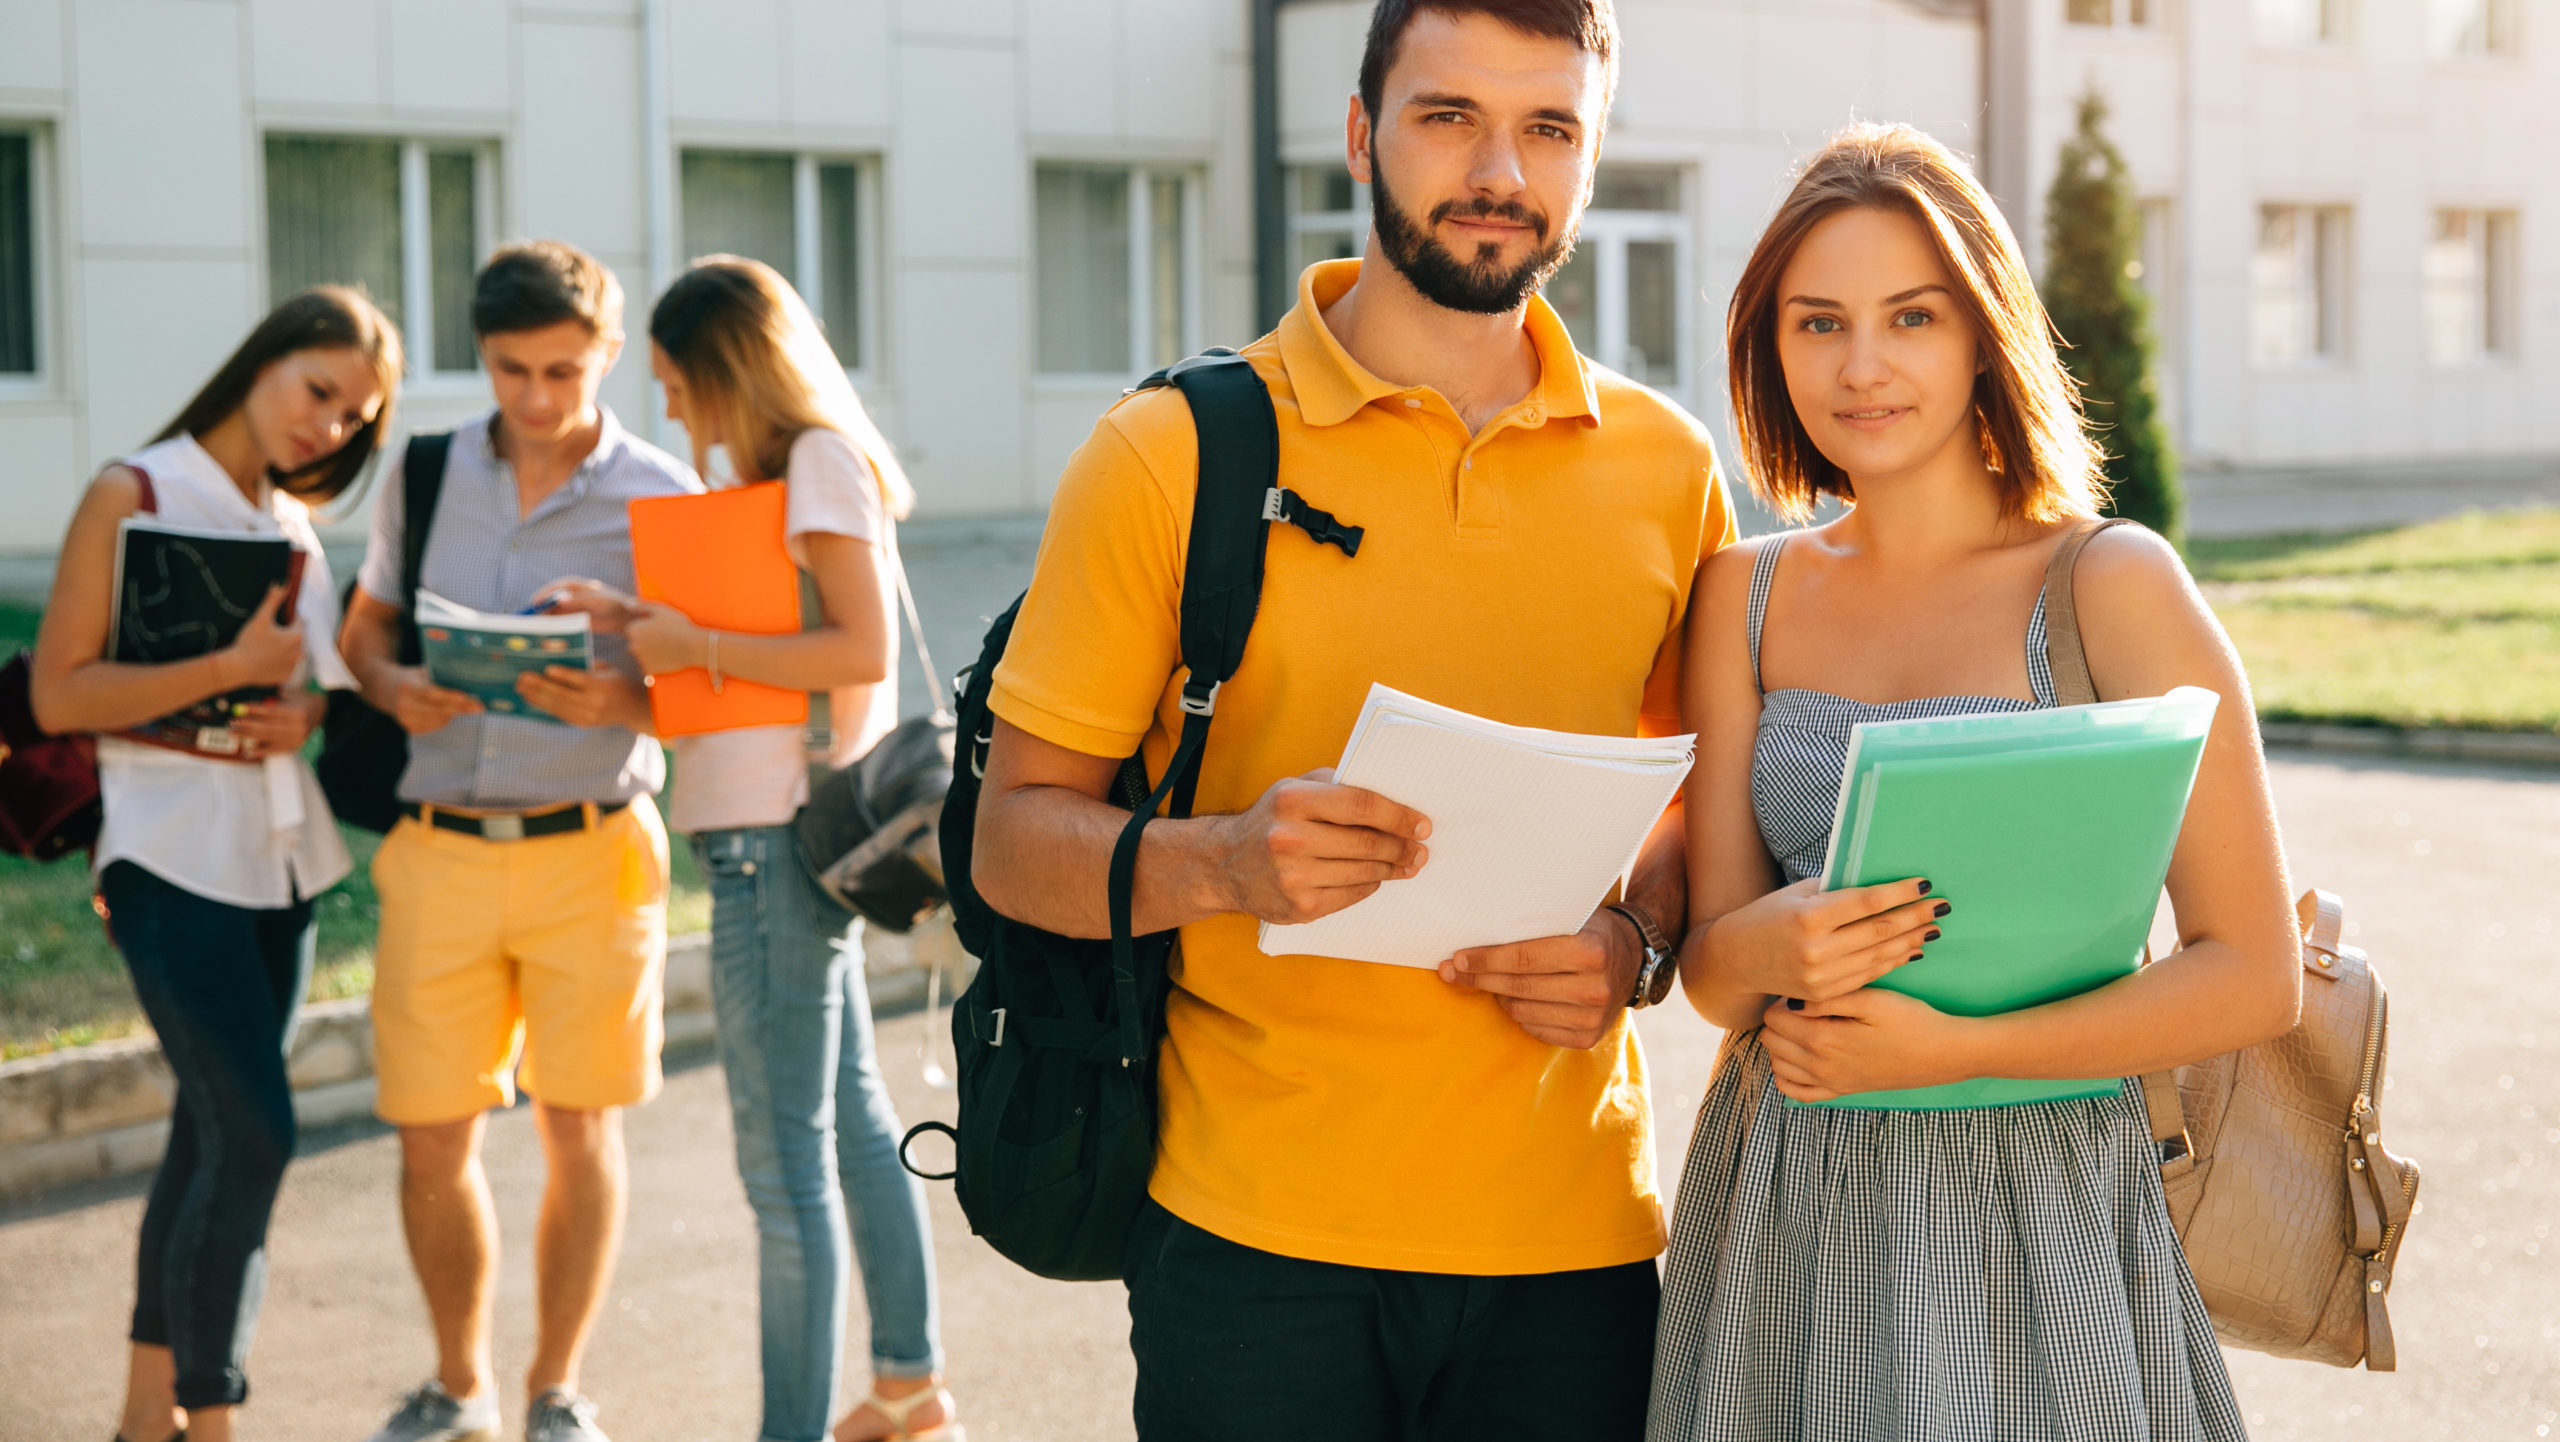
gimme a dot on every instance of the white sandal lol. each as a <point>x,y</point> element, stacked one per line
<point>900,1409</point>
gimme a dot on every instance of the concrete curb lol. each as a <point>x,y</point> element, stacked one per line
<point>93,1112</point>
<point>2527,748</point>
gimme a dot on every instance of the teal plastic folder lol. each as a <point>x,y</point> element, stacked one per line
<point>2050,832</point>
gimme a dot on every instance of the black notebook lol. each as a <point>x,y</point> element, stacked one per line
<point>183,593</point>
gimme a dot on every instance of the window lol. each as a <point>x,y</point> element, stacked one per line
<point>2298,285</point>
<point>1621,294</point>
<point>2130,14</point>
<point>2471,27</point>
<point>1119,289</point>
<point>406,219</point>
<point>801,214</point>
<point>20,230</point>
<point>1328,215</point>
<point>2470,286</point>
<point>2299,23</point>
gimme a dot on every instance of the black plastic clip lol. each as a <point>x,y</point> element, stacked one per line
<point>1282,504</point>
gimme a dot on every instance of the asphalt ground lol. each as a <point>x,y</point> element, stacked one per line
<point>2452,881</point>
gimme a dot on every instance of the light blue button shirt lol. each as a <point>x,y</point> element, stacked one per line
<point>483,552</point>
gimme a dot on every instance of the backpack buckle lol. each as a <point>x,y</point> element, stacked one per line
<point>998,1038</point>
<point>1197,702</point>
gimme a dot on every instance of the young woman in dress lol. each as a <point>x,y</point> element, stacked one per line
<point>207,867</point>
<point>1986,1273</point>
<point>746,369</point>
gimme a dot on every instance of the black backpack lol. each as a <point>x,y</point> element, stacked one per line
<point>1056,1038</point>
<point>363,751</point>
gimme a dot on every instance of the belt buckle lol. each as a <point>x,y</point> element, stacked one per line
<point>502,828</point>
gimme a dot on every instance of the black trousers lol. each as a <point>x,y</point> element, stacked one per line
<point>221,985</point>
<point>1240,1345</point>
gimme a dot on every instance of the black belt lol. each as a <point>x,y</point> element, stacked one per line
<point>515,825</point>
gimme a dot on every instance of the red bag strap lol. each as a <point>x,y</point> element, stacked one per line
<point>150,497</point>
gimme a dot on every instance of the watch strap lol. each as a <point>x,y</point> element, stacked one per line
<point>1652,978</point>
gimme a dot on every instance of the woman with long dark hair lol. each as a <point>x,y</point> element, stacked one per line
<point>2001,1271</point>
<point>206,865</point>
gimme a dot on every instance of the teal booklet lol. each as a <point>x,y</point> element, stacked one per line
<point>482,653</point>
<point>2050,832</point>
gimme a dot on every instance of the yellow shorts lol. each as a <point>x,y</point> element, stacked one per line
<point>555,946</point>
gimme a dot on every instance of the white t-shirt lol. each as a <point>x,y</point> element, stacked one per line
<point>759,776</point>
<point>255,836</point>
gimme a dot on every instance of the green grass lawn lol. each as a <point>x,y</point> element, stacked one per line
<point>2451,623</point>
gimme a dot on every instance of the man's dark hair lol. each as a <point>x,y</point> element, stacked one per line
<point>537,283</point>
<point>1590,24</point>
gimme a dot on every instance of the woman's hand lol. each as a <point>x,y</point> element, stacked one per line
<point>269,727</point>
<point>1816,946</point>
<point>1866,1041</point>
<point>608,610</point>
<point>265,653</point>
<point>664,639</point>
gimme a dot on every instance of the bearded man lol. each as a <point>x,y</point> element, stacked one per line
<point>1387,1203</point>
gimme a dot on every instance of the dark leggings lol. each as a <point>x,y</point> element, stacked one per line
<point>220,984</point>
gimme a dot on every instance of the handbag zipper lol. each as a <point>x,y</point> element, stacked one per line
<point>2364,1105</point>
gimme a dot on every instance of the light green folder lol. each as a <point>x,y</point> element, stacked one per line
<point>2049,831</point>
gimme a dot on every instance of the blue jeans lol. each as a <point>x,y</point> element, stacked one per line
<point>795,1040</point>
<point>221,985</point>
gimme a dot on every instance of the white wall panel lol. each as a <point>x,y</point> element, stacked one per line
<point>326,52</point>
<point>1172,68</point>
<point>577,171</point>
<point>961,187</point>
<point>31,45</point>
<point>962,389</point>
<point>451,54</point>
<point>1684,67</point>
<point>727,57</point>
<point>177,170</point>
<point>163,325</point>
<point>41,478</point>
<point>960,19</point>
<point>839,62</point>
<point>1072,72</point>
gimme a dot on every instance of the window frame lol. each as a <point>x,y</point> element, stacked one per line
<point>2496,316</point>
<point>1139,225</point>
<point>43,215</point>
<point>1354,222</point>
<point>2503,22</point>
<point>808,236</point>
<point>2120,18</point>
<point>417,251</point>
<point>1605,235</point>
<point>2322,227</point>
<point>2324,39</point>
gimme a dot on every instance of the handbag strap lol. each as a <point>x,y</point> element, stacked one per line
<point>915,628</point>
<point>2068,658</point>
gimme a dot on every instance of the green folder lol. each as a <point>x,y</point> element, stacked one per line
<point>2050,832</point>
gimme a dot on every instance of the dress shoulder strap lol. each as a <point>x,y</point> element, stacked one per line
<point>1764,568</point>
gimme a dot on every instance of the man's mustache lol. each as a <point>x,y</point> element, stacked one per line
<point>1482,209</point>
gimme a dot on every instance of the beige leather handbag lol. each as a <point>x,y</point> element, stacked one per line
<point>2291,1211</point>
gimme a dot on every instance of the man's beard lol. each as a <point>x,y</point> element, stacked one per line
<point>1479,286</point>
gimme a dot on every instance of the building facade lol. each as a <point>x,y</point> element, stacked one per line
<point>1006,210</point>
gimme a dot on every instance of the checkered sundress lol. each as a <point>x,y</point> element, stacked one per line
<point>1999,1273</point>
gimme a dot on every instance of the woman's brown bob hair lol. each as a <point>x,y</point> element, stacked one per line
<point>2025,404</point>
<point>753,356</point>
<point>321,318</point>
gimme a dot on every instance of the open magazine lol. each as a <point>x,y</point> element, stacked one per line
<point>482,653</point>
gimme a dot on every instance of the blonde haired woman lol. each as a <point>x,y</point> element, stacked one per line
<point>746,369</point>
<point>1991,1272</point>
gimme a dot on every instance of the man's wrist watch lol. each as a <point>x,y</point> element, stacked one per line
<point>1660,965</point>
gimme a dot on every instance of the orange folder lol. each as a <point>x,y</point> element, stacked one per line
<point>719,558</point>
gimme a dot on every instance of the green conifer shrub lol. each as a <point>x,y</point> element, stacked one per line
<point>2092,290</point>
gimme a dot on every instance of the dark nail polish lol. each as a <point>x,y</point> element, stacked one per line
<point>1932,936</point>
<point>1915,956</point>
<point>1942,908</point>
<point>1795,1003</point>
<point>1924,888</point>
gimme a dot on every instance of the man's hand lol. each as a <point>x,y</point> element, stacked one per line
<point>1309,848</point>
<point>607,609</point>
<point>1565,991</point>
<point>422,706</point>
<point>586,698</point>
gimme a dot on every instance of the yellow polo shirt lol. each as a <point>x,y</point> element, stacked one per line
<point>1537,572</point>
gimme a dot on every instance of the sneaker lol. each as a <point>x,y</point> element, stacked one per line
<point>431,1414</point>
<point>558,1416</point>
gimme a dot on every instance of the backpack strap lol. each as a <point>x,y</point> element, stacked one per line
<point>2073,686</point>
<point>421,482</point>
<point>1239,495</point>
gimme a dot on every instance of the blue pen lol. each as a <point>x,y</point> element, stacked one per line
<point>538,607</point>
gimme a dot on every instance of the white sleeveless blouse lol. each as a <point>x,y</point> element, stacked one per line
<point>257,836</point>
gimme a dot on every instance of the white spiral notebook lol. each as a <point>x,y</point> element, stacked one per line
<point>1529,829</point>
